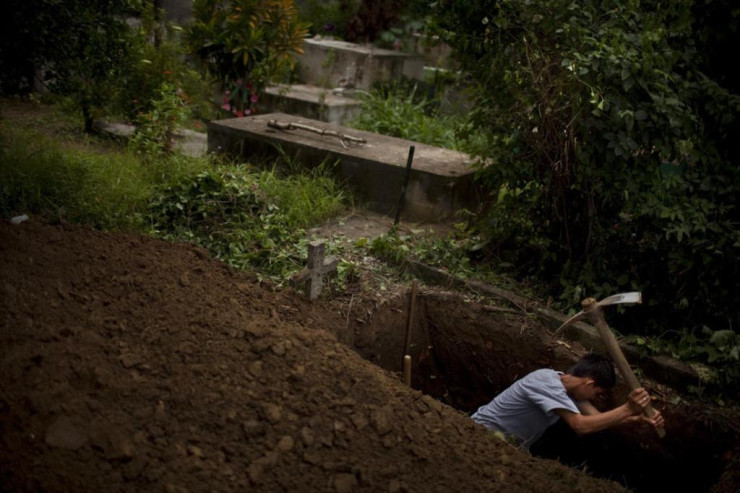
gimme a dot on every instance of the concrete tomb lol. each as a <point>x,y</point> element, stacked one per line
<point>440,182</point>
<point>331,63</point>
<point>311,102</point>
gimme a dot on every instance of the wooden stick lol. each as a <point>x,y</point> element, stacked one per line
<point>407,370</point>
<point>410,319</point>
<point>299,126</point>
<point>349,310</point>
<point>612,346</point>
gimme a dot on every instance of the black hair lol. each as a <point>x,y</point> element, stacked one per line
<point>595,366</point>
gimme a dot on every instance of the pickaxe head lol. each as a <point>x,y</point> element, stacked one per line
<point>590,304</point>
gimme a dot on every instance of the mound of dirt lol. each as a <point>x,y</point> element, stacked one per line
<point>138,365</point>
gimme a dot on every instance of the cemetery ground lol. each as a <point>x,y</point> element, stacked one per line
<point>135,364</point>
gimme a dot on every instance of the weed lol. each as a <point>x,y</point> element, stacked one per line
<point>405,113</point>
<point>155,131</point>
<point>250,219</point>
<point>39,176</point>
<point>247,219</point>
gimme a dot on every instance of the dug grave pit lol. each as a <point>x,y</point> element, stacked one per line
<point>133,364</point>
<point>465,353</point>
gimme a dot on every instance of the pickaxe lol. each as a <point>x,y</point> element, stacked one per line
<point>592,310</point>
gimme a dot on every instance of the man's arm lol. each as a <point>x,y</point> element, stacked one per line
<point>592,420</point>
<point>584,424</point>
<point>588,408</point>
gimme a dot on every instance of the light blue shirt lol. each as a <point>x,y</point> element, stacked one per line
<point>527,408</point>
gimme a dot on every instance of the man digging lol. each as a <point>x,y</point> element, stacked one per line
<point>527,408</point>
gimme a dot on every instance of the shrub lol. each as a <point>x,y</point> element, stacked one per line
<point>611,164</point>
<point>247,219</point>
<point>85,49</point>
<point>327,17</point>
<point>244,43</point>
<point>159,57</point>
<point>155,130</point>
<point>403,113</point>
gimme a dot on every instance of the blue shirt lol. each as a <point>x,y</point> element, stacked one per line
<point>527,408</point>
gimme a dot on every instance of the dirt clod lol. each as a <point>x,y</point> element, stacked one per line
<point>63,433</point>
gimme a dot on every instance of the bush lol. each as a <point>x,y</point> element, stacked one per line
<point>247,219</point>
<point>244,44</point>
<point>327,17</point>
<point>155,130</point>
<point>403,113</point>
<point>159,57</point>
<point>612,163</point>
<point>602,174</point>
<point>84,50</point>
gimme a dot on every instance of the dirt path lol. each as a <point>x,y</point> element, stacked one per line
<point>138,365</point>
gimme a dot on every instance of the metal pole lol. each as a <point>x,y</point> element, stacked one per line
<point>405,184</point>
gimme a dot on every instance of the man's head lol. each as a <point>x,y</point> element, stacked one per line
<point>595,374</point>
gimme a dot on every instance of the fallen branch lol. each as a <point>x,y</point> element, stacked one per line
<point>299,126</point>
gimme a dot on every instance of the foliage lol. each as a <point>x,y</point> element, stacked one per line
<point>39,176</point>
<point>306,197</point>
<point>245,41</point>
<point>373,17</point>
<point>328,18</point>
<point>400,37</point>
<point>159,57</point>
<point>448,253</point>
<point>717,353</point>
<point>403,113</point>
<point>250,219</point>
<point>155,130</point>
<point>243,217</point>
<point>613,166</point>
<point>82,48</point>
<point>241,99</point>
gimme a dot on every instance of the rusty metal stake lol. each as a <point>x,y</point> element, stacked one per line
<point>402,197</point>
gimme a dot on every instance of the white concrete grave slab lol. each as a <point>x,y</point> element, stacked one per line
<point>440,182</point>
<point>313,102</point>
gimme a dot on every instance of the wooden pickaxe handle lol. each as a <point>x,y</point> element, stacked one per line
<point>592,309</point>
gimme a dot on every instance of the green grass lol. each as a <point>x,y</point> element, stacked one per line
<point>307,197</point>
<point>250,218</point>
<point>402,113</point>
<point>107,190</point>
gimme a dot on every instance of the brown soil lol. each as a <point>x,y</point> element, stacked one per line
<point>135,364</point>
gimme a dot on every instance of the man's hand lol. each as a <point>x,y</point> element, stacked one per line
<point>656,421</point>
<point>638,399</point>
